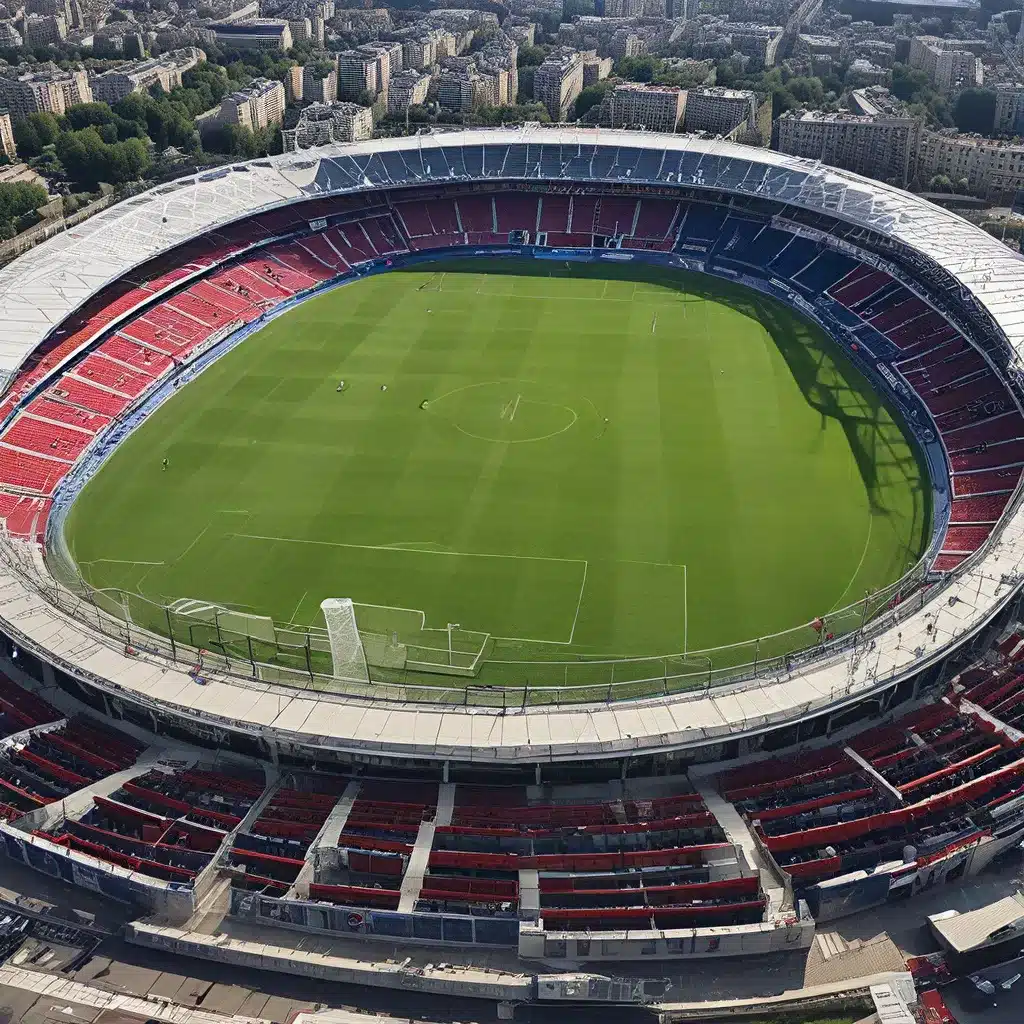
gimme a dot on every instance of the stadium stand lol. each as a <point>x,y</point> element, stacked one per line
<point>159,320</point>
<point>162,824</point>
<point>47,766</point>
<point>950,776</point>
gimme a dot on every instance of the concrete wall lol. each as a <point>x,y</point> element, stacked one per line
<point>668,944</point>
<point>472,983</point>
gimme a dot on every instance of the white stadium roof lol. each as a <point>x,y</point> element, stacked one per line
<point>39,290</point>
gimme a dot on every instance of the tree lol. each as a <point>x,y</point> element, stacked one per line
<point>238,141</point>
<point>638,69</point>
<point>35,133</point>
<point>525,85</point>
<point>975,110</point>
<point>88,159</point>
<point>913,86</point>
<point>908,83</point>
<point>531,56</point>
<point>516,114</point>
<point>808,91</point>
<point>85,114</point>
<point>18,198</point>
<point>591,97</point>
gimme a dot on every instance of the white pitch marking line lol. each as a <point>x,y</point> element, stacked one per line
<point>397,550</point>
<point>579,603</point>
<point>200,536</point>
<point>298,606</point>
<point>661,565</point>
<point>118,561</point>
<point>512,414</point>
<point>860,565</point>
<point>686,615</point>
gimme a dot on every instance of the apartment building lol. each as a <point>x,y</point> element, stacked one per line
<point>499,58</point>
<point>257,34</point>
<point>44,29</point>
<point>419,52</point>
<point>879,146</point>
<point>558,81</point>
<point>7,145</point>
<point>293,83</point>
<point>596,69</point>
<point>461,85</point>
<point>166,71</point>
<point>657,108</point>
<point>990,168</point>
<point>408,89</point>
<point>49,90</point>
<point>318,87</point>
<point>947,63</point>
<point>259,105</point>
<point>388,59</point>
<point>758,42</point>
<point>1009,115</point>
<point>357,73</point>
<point>323,123</point>
<point>718,110</point>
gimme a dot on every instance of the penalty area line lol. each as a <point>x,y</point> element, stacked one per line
<point>579,602</point>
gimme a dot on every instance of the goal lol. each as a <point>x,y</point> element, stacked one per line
<point>347,654</point>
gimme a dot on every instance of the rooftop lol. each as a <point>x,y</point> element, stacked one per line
<point>721,92</point>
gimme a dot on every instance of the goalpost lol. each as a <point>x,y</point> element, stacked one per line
<point>347,654</point>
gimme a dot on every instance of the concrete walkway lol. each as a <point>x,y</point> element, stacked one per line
<point>739,835</point>
<point>412,881</point>
<point>76,804</point>
<point>327,837</point>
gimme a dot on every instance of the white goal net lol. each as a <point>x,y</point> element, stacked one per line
<point>346,645</point>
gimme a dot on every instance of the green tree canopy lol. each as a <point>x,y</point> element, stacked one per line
<point>975,110</point>
<point>639,69</point>
<point>591,96</point>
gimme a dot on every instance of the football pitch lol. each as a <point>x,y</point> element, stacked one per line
<point>571,461</point>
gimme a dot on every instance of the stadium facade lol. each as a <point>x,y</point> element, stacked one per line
<point>104,322</point>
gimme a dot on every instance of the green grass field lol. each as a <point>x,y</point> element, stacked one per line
<point>612,461</point>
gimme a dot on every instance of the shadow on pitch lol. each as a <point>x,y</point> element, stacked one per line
<point>829,382</point>
<point>833,386</point>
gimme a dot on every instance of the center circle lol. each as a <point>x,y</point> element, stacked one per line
<point>508,411</point>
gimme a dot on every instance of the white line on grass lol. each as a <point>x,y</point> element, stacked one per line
<point>399,550</point>
<point>660,565</point>
<point>860,565</point>
<point>579,603</point>
<point>433,551</point>
<point>686,615</point>
<point>119,561</point>
<point>295,614</point>
<point>199,537</point>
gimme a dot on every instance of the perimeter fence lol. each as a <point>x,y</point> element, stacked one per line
<point>468,669</point>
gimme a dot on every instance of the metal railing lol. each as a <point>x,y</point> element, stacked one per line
<point>506,677</point>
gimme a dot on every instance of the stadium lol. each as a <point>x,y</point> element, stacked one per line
<point>480,468</point>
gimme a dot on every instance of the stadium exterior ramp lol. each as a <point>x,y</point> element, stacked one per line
<point>907,648</point>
